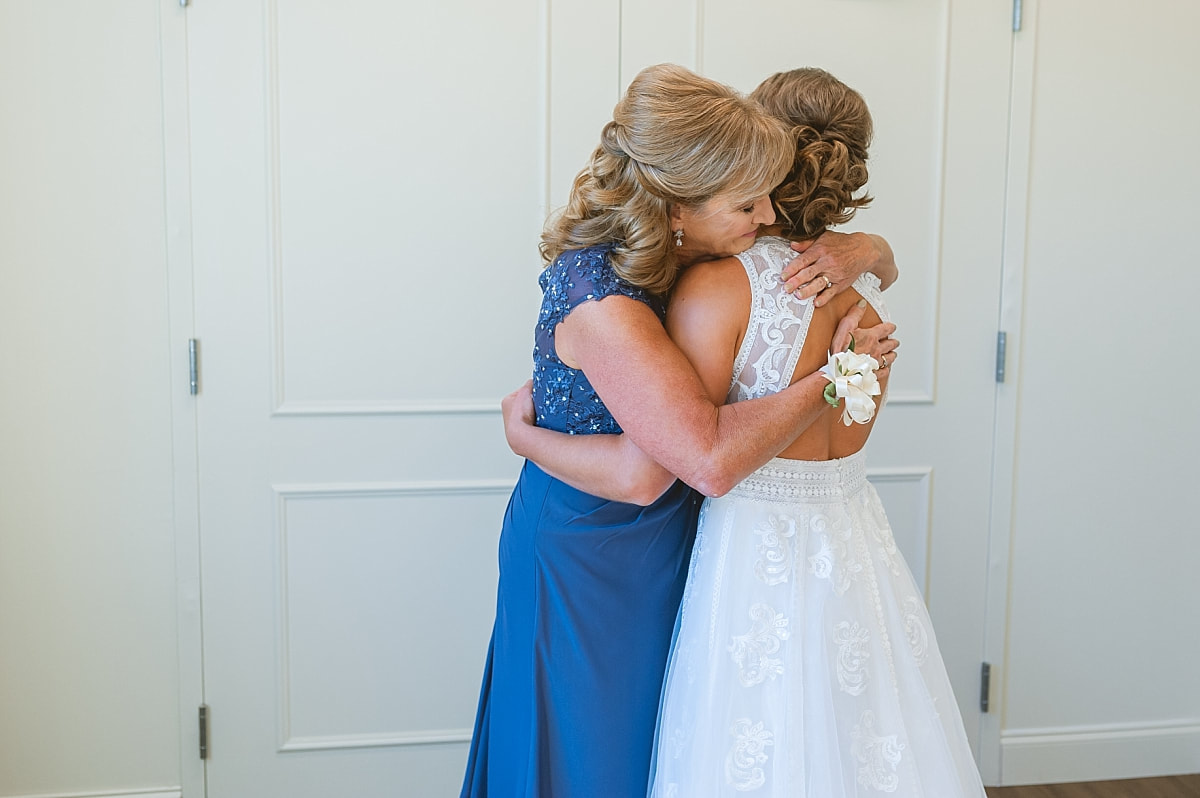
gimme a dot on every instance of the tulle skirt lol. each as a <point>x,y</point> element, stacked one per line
<point>804,661</point>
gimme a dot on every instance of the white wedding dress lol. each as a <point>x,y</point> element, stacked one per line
<point>804,663</point>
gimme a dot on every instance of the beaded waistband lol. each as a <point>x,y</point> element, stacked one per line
<point>800,480</point>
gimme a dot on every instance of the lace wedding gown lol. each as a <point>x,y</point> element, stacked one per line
<point>804,663</point>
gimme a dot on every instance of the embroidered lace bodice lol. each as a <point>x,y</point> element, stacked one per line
<point>563,398</point>
<point>778,322</point>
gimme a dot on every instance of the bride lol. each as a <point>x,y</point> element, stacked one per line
<point>804,662</point>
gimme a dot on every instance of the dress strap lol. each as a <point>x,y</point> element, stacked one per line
<point>777,328</point>
<point>868,285</point>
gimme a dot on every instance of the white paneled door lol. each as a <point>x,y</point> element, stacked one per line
<point>367,192</point>
<point>368,183</point>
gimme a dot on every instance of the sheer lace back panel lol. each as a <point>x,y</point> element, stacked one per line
<point>779,322</point>
<point>777,328</point>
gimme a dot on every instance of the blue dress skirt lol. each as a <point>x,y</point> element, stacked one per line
<point>588,595</point>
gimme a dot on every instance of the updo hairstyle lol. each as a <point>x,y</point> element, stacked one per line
<point>675,138</point>
<point>833,130</point>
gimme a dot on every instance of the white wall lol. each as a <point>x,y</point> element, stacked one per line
<point>88,670</point>
<point>1104,631</point>
<point>1102,634</point>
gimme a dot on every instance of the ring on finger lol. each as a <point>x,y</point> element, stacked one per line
<point>828,282</point>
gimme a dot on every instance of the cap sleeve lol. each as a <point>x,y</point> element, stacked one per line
<point>583,275</point>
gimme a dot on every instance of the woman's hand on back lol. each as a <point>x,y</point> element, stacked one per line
<point>831,262</point>
<point>874,341</point>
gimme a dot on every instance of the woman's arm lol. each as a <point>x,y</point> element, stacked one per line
<point>654,393</point>
<point>612,466</point>
<point>609,466</point>
<point>840,257</point>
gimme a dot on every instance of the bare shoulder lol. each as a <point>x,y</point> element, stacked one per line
<point>707,317</point>
<point>613,323</point>
<point>846,300</point>
<point>721,282</point>
<point>721,271</point>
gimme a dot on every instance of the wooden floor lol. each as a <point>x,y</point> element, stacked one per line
<point>1165,787</point>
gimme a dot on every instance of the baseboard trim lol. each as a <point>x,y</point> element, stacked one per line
<point>157,792</point>
<point>1099,753</point>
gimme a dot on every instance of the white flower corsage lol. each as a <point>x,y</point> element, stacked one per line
<point>852,377</point>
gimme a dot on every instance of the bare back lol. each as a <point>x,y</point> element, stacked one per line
<point>829,437</point>
<point>732,317</point>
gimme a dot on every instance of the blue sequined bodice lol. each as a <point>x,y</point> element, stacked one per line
<point>562,396</point>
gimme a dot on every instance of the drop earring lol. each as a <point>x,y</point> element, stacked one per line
<point>679,237</point>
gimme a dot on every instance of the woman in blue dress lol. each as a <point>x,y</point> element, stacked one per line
<point>589,587</point>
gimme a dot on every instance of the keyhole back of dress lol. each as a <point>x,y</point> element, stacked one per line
<point>786,340</point>
<point>829,437</point>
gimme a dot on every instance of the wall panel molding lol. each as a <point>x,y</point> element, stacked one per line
<point>274,200</point>
<point>915,532</point>
<point>157,792</point>
<point>292,399</point>
<point>339,742</point>
<point>285,494</point>
<point>459,406</point>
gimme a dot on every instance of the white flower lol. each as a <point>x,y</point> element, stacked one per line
<point>851,362</point>
<point>853,378</point>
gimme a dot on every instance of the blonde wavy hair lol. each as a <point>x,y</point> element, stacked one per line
<point>675,138</point>
<point>833,131</point>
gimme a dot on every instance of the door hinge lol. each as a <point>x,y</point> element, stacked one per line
<point>204,731</point>
<point>1001,354</point>
<point>193,368</point>
<point>1016,14</point>
<point>985,686</point>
